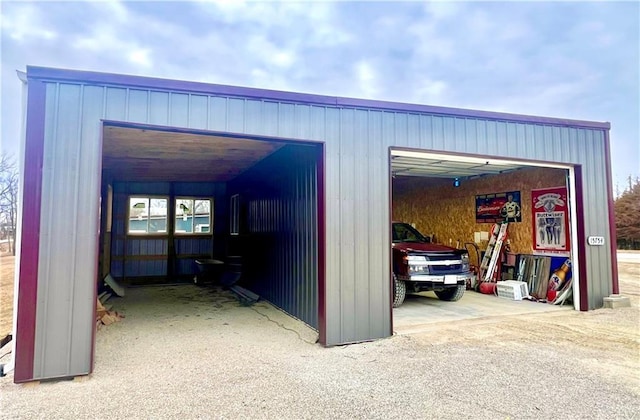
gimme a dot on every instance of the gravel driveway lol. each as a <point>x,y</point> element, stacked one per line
<point>188,358</point>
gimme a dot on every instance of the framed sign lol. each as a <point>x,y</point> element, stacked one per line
<point>550,209</point>
<point>498,207</point>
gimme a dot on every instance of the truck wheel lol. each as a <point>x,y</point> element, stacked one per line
<point>399,291</point>
<point>452,294</point>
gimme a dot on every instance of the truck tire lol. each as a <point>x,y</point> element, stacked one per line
<point>451,294</point>
<point>399,291</point>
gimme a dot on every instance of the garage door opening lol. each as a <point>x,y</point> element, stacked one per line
<point>196,212</point>
<point>515,220</point>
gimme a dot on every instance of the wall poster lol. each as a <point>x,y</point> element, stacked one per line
<point>498,207</point>
<point>550,220</point>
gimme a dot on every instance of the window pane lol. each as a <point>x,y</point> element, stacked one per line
<point>158,215</point>
<point>193,215</point>
<point>184,216</point>
<point>138,214</point>
<point>202,219</point>
<point>147,215</point>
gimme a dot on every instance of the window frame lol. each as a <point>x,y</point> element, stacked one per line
<point>149,197</point>
<point>234,215</point>
<point>193,200</point>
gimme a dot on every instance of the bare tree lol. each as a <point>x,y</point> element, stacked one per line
<point>627,208</point>
<point>8,200</point>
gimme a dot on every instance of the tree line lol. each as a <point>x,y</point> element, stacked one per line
<point>8,201</point>
<point>627,207</point>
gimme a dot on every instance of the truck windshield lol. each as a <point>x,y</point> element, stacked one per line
<point>403,232</point>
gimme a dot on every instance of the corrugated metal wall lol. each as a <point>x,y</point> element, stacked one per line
<point>357,194</point>
<point>279,235</point>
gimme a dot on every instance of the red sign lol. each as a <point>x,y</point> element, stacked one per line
<point>550,208</point>
<point>498,207</point>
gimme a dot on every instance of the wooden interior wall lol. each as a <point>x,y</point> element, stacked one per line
<point>436,207</point>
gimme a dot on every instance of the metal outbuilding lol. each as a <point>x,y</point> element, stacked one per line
<point>316,190</point>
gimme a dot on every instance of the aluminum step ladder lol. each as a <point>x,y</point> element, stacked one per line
<point>492,254</point>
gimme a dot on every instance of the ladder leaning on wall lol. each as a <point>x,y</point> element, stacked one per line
<point>492,254</point>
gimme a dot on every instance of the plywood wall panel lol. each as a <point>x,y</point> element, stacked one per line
<point>437,207</point>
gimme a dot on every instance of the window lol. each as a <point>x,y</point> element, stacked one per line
<point>193,215</point>
<point>147,215</point>
<point>234,225</point>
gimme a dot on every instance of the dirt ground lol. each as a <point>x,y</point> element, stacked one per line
<point>6,294</point>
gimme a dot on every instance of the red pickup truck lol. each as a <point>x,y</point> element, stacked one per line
<point>420,266</point>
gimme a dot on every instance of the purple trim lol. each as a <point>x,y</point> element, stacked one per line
<point>322,249</point>
<point>390,228</point>
<point>612,216</point>
<point>29,246</point>
<point>582,240</point>
<point>77,76</point>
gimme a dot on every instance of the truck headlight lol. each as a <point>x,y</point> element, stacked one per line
<point>465,262</point>
<point>417,264</point>
<point>415,269</point>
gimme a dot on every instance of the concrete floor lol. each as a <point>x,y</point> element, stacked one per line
<point>422,310</point>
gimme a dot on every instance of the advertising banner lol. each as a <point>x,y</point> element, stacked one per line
<point>550,220</point>
<point>498,207</point>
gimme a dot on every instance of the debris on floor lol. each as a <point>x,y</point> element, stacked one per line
<point>105,316</point>
<point>114,285</point>
<point>246,297</point>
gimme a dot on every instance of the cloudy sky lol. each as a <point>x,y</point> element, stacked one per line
<point>576,60</point>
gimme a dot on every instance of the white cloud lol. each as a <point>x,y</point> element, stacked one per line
<point>442,10</point>
<point>140,57</point>
<point>430,91</point>
<point>265,51</point>
<point>366,77</point>
<point>284,59</point>
<point>26,24</point>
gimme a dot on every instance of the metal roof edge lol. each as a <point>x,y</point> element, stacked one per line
<point>82,76</point>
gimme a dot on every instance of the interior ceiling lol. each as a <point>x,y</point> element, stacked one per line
<point>135,154</point>
<point>447,168</point>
